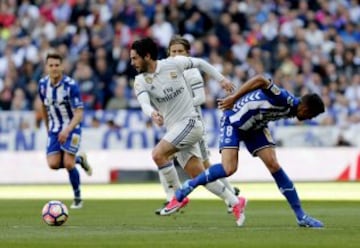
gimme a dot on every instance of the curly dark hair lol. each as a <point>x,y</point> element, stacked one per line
<point>144,47</point>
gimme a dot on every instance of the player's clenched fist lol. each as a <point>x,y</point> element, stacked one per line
<point>157,118</point>
<point>227,85</point>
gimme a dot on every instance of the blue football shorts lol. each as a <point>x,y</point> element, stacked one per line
<point>254,140</point>
<point>71,145</point>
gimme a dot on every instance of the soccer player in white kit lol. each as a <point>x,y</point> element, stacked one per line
<point>164,95</point>
<point>181,46</point>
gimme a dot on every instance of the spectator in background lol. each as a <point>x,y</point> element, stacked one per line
<point>119,100</point>
<point>104,76</point>
<point>162,30</point>
<point>122,64</point>
<point>122,34</point>
<point>352,93</point>
<point>142,29</point>
<point>314,36</point>
<point>7,15</point>
<point>19,101</point>
<point>87,81</point>
<point>270,28</point>
<point>79,9</point>
<point>354,11</point>
<point>349,68</point>
<point>27,74</point>
<point>239,48</point>
<point>29,14</point>
<point>6,93</point>
<point>62,11</point>
<point>222,31</point>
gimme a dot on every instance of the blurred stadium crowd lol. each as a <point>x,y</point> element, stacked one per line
<point>304,45</point>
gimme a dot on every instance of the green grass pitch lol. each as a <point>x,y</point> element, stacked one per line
<point>204,223</point>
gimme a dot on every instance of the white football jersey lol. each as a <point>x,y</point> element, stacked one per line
<point>168,91</point>
<point>195,80</point>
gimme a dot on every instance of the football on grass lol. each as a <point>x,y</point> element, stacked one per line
<point>55,213</point>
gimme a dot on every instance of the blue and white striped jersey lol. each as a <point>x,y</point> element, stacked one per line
<point>60,100</point>
<point>255,109</point>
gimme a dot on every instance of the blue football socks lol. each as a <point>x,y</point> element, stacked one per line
<point>211,174</point>
<point>287,188</point>
<point>75,181</point>
<point>78,160</point>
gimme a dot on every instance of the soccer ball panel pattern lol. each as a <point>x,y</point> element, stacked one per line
<point>55,213</point>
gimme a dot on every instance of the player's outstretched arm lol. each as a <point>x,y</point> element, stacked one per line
<point>257,82</point>
<point>196,82</point>
<point>191,62</point>
<point>199,96</point>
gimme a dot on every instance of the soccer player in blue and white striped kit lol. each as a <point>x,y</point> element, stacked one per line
<point>63,112</point>
<point>246,114</point>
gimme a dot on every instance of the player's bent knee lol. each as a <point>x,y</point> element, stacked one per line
<point>158,157</point>
<point>161,157</point>
<point>230,169</point>
<point>194,169</point>
<point>54,166</point>
<point>273,166</point>
<point>155,156</point>
<point>69,166</point>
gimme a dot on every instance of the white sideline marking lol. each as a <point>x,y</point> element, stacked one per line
<point>253,191</point>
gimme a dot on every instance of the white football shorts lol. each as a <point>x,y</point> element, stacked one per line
<point>185,135</point>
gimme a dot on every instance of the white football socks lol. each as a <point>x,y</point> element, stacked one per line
<point>169,191</point>
<point>219,189</point>
<point>169,180</point>
<point>226,183</point>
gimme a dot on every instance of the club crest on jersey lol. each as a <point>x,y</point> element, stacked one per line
<point>137,86</point>
<point>148,80</point>
<point>75,140</point>
<point>275,90</point>
<point>173,74</point>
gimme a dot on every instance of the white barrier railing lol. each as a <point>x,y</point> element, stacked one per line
<point>301,164</point>
<point>18,132</point>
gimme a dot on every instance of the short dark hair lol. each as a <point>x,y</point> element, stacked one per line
<point>54,55</point>
<point>145,46</point>
<point>314,102</point>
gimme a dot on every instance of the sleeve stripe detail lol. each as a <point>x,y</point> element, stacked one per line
<point>143,91</point>
<point>195,88</point>
<point>198,83</point>
<point>191,64</point>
